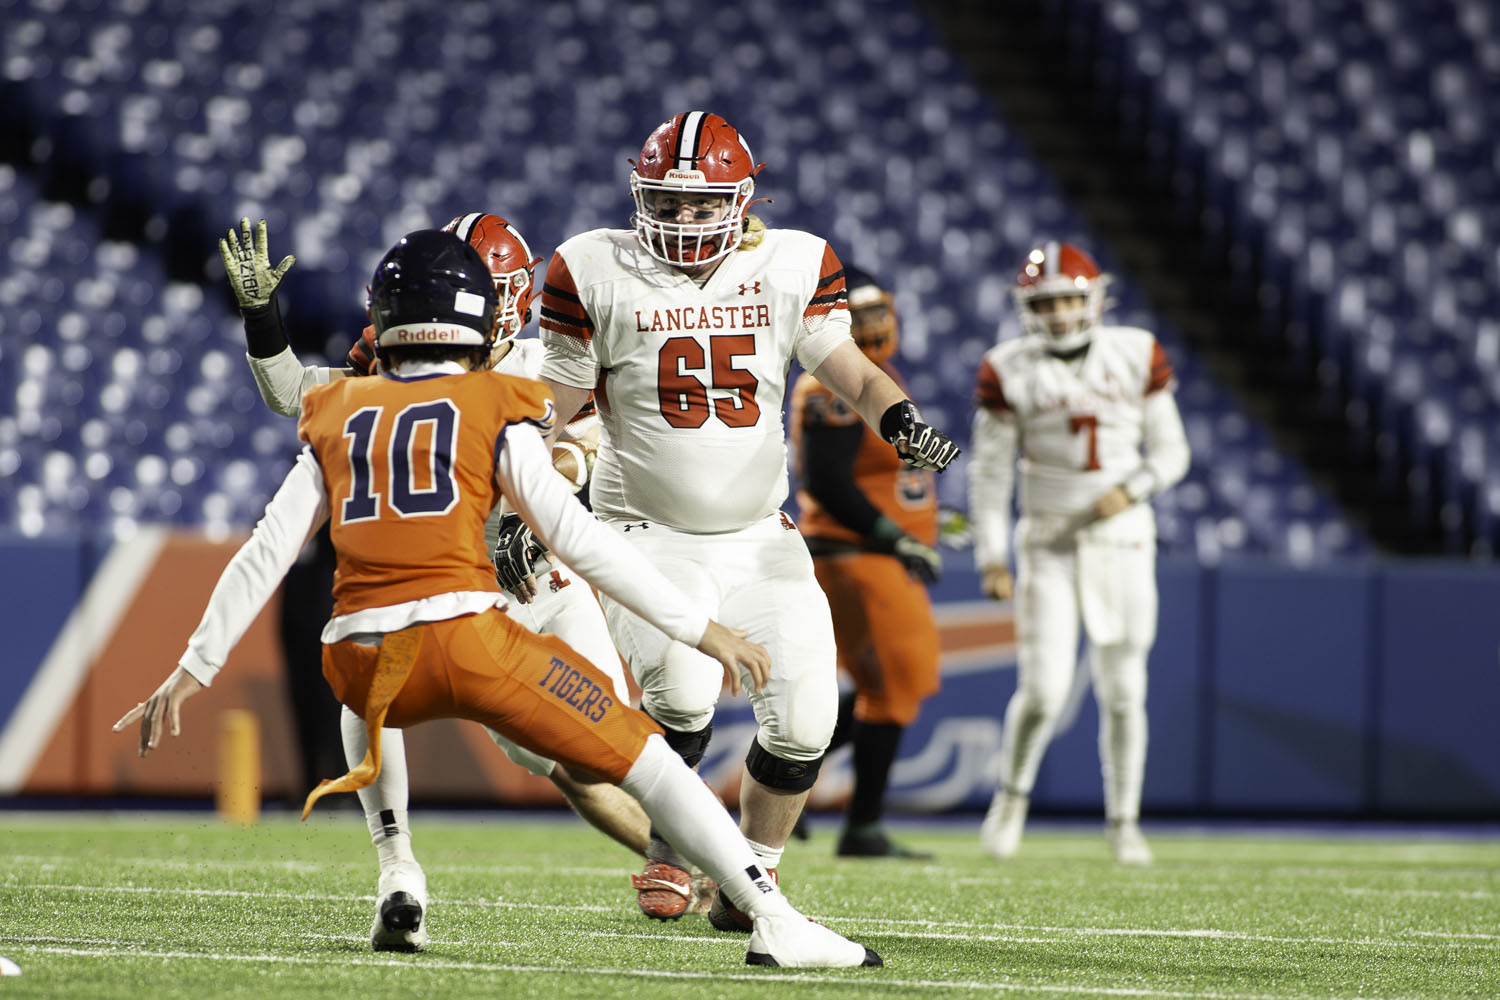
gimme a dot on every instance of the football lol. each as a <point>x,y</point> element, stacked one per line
<point>569,459</point>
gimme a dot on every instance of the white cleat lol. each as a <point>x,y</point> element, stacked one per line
<point>793,941</point>
<point>401,910</point>
<point>1128,845</point>
<point>1000,833</point>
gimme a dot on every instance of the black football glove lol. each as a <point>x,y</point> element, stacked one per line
<point>918,444</point>
<point>923,562</point>
<point>516,552</point>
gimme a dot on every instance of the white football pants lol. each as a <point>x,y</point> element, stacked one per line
<point>759,579</point>
<point>1105,586</point>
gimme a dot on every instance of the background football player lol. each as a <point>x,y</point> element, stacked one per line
<point>562,605</point>
<point>406,469</point>
<point>870,521</point>
<point>1091,411</point>
<point>688,322</point>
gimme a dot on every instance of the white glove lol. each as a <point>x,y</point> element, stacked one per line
<point>247,261</point>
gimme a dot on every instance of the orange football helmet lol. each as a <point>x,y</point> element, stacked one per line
<point>692,154</point>
<point>872,314</point>
<point>511,264</point>
<point>1060,294</point>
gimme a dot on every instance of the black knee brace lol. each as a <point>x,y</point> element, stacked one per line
<point>780,773</point>
<point>689,746</point>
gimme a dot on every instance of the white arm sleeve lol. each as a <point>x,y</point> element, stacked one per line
<point>252,576</point>
<point>992,477</point>
<point>1165,446</point>
<point>282,380</point>
<point>542,498</point>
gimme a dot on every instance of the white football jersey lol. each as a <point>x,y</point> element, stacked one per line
<point>690,382</point>
<point>1081,424</point>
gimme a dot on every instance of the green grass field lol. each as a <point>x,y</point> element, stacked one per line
<point>184,906</point>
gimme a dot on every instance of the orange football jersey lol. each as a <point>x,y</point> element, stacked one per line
<point>906,495</point>
<point>409,466</point>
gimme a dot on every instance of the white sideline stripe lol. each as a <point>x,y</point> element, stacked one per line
<point>90,625</point>
<point>964,929</point>
<point>864,986</point>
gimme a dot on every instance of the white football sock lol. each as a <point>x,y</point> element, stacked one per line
<point>384,802</point>
<point>769,856</point>
<point>690,816</point>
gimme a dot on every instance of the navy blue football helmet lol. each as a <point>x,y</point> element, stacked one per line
<point>433,288</point>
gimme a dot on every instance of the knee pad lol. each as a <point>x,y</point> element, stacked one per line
<point>689,746</point>
<point>780,773</point>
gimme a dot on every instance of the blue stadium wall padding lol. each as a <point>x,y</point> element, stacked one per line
<point>1438,684</point>
<point>1291,673</point>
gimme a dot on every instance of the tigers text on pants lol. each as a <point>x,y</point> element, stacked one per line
<point>535,690</point>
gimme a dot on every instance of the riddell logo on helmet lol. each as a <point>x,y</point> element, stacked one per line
<point>426,335</point>
<point>685,175</point>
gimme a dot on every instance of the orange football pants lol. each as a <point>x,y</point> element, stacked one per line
<point>886,636</point>
<point>533,689</point>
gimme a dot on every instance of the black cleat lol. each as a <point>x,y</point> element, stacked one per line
<point>853,845</point>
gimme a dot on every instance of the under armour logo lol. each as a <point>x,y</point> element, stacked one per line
<point>750,288</point>
<point>637,524</point>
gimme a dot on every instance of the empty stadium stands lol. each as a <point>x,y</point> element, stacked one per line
<point>151,127</point>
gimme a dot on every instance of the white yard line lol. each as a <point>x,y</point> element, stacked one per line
<point>968,880</point>
<point>934,929</point>
<point>863,983</point>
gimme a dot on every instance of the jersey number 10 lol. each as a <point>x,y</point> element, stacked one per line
<point>420,481</point>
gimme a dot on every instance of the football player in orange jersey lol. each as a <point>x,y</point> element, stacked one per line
<point>407,467</point>
<point>1085,412</point>
<point>686,324</point>
<point>560,608</point>
<point>870,521</point>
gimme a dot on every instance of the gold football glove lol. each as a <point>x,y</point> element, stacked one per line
<point>247,261</point>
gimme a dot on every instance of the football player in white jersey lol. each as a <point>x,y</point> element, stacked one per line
<point>1090,410</point>
<point>560,604</point>
<point>684,327</point>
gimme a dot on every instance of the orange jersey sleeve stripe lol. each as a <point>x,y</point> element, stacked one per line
<point>562,308</point>
<point>1161,370</point>
<point>988,394</point>
<point>830,295</point>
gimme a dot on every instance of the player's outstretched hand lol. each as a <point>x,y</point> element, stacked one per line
<point>920,445</point>
<point>165,705</point>
<point>247,261</point>
<point>730,647</point>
